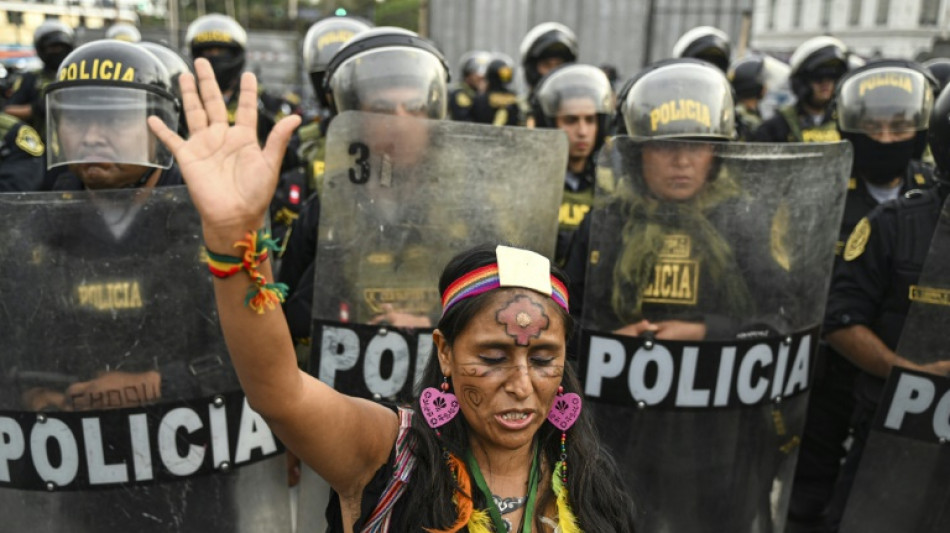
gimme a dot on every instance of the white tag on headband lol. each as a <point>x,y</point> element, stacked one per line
<point>523,268</point>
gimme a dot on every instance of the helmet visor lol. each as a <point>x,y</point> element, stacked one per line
<point>105,124</point>
<point>576,87</point>
<point>680,101</point>
<point>394,80</point>
<point>895,100</point>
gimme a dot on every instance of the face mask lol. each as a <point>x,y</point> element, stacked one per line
<point>880,163</point>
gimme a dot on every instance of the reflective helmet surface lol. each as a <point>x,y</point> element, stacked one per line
<point>747,76</point>
<point>939,136</point>
<point>817,58</point>
<point>940,68</point>
<point>474,62</point>
<point>53,32</point>
<point>123,31</point>
<point>572,87</point>
<point>706,43</point>
<point>548,39</point>
<point>323,40</point>
<point>891,94</point>
<point>223,34</point>
<point>106,90</point>
<point>367,71</point>
<point>679,98</point>
<point>174,63</point>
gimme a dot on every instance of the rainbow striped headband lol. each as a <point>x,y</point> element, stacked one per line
<point>515,268</point>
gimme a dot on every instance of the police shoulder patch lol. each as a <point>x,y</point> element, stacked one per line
<point>858,240</point>
<point>463,100</point>
<point>28,140</point>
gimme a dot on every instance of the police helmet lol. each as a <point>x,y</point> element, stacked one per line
<point>500,72</point>
<point>107,89</point>
<point>706,43</point>
<point>227,38</point>
<point>940,68</point>
<point>939,136</point>
<point>747,76</point>
<point>53,32</point>
<point>123,31</point>
<point>174,63</point>
<point>546,40</point>
<point>474,62</point>
<point>574,89</point>
<point>323,40</point>
<point>884,110</point>
<point>817,58</point>
<point>384,59</point>
<point>679,98</point>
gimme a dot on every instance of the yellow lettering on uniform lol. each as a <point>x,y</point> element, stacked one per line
<point>83,75</point>
<point>135,300</point>
<point>681,109</point>
<point>664,284</point>
<point>686,288</point>
<point>105,70</point>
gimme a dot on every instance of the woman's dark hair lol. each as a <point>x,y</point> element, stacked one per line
<point>597,493</point>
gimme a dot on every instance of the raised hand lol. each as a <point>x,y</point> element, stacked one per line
<point>231,179</point>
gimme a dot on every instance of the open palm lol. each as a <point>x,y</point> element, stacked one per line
<point>231,179</point>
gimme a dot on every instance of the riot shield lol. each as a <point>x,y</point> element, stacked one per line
<point>401,196</point>
<point>119,409</point>
<point>706,278</point>
<point>901,482</point>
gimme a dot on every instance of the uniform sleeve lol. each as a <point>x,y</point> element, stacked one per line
<point>24,91</point>
<point>860,280</point>
<point>21,160</point>
<point>773,130</point>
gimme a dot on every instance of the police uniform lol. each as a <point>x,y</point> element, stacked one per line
<point>575,204</point>
<point>872,287</point>
<point>499,108</point>
<point>461,101</point>
<point>747,122</point>
<point>793,124</point>
<point>28,90</point>
<point>21,156</point>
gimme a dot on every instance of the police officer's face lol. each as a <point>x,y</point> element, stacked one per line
<point>403,141</point>
<point>578,118</point>
<point>888,131</point>
<point>548,64</point>
<point>676,171</point>
<point>822,90</point>
<point>95,140</point>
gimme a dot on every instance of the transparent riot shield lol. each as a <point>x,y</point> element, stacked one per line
<point>902,480</point>
<point>706,279</point>
<point>401,196</point>
<point>119,409</point>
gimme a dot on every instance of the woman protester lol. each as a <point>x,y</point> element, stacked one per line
<point>482,446</point>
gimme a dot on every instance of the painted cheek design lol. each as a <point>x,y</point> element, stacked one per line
<point>523,319</point>
<point>473,395</point>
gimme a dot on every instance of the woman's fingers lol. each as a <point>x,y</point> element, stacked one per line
<point>210,94</point>
<point>247,102</point>
<point>278,138</point>
<point>168,137</point>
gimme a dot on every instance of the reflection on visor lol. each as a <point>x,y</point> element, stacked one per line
<point>897,126</point>
<point>542,368</point>
<point>415,107</point>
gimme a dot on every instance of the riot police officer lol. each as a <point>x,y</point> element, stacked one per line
<point>474,66</point>
<point>576,99</point>
<point>176,66</point>
<point>871,288</point>
<point>816,66</point>
<point>544,48</point>
<point>323,40</point>
<point>223,42</point>
<point>53,41</point>
<point>104,92</point>
<point>706,43</point>
<point>21,156</point>
<point>883,110</point>
<point>383,70</point>
<point>498,105</point>
<point>748,80</point>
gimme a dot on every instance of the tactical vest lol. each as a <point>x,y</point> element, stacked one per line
<point>574,207</point>
<point>827,131</point>
<point>312,152</point>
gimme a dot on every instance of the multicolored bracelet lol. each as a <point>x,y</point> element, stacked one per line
<point>257,245</point>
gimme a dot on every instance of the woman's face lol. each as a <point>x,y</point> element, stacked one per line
<point>505,367</point>
<point>676,171</point>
